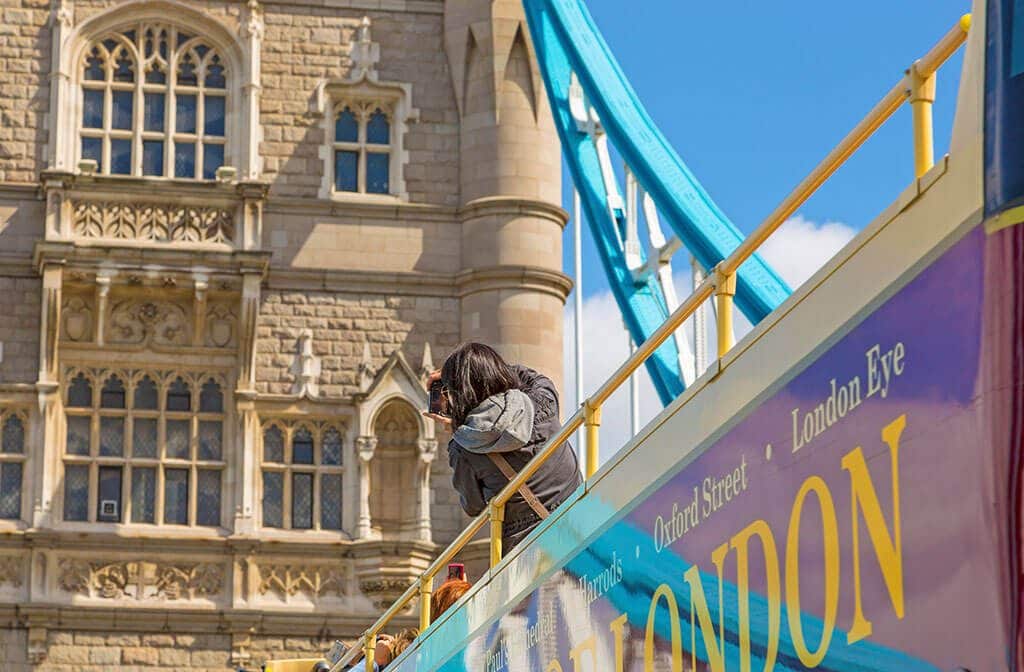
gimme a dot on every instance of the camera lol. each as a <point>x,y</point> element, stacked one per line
<point>437,400</point>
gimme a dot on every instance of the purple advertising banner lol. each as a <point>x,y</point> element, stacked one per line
<point>862,516</point>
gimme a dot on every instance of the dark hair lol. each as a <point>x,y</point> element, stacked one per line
<point>472,373</point>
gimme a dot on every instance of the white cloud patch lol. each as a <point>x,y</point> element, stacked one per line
<point>798,249</point>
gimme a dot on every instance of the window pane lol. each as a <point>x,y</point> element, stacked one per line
<point>123,105</point>
<point>184,159</point>
<point>187,71</point>
<point>112,394</point>
<point>346,167</point>
<point>78,434</point>
<point>92,148</point>
<point>94,66</point>
<point>378,130</point>
<point>124,66</point>
<point>185,114</point>
<point>13,435</point>
<point>210,439</point>
<point>331,450</point>
<point>179,396</point>
<point>211,400</point>
<point>10,490</point>
<point>213,158</point>
<point>302,501</point>
<point>109,501</point>
<point>273,494</point>
<point>177,438</point>
<point>377,173</point>
<point>153,157</point>
<point>144,437</point>
<point>346,128</point>
<point>92,108</point>
<point>215,74</point>
<point>80,392</point>
<point>213,119</point>
<point>155,103</point>
<point>143,495</point>
<point>76,492</point>
<point>156,75</point>
<point>302,447</point>
<point>176,496</point>
<point>273,444</point>
<point>145,394</point>
<point>120,157</point>
<point>330,501</point>
<point>208,498</point>
<point>112,437</point>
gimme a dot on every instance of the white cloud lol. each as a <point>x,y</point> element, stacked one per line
<point>798,249</point>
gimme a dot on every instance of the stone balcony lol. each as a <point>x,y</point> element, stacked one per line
<point>96,210</point>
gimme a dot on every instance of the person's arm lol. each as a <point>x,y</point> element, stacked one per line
<point>466,483</point>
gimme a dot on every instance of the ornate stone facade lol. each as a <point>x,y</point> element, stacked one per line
<point>235,237</point>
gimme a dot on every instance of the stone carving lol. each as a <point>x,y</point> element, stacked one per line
<point>77,314</point>
<point>221,330</point>
<point>141,580</point>
<point>306,367</point>
<point>157,223</point>
<point>314,581</point>
<point>383,586</point>
<point>138,321</point>
<point>11,570</point>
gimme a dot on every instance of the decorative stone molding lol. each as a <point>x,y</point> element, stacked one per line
<point>314,581</point>
<point>144,321</point>
<point>221,326</point>
<point>375,586</point>
<point>306,368</point>
<point>77,319</point>
<point>12,569</point>
<point>158,223</point>
<point>140,580</point>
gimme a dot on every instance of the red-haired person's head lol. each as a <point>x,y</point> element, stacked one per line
<point>446,595</point>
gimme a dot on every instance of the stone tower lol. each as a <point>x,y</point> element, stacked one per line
<point>235,236</point>
<point>512,288</point>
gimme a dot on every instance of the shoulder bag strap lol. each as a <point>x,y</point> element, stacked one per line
<point>524,490</point>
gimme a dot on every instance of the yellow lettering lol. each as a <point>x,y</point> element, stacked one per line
<point>663,591</point>
<point>553,666</point>
<point>830,538</point>
<point>576,654</point>
<point>715,649</point>
<point>888,548</point>
<point>741,542</point>
<point>617,627</point>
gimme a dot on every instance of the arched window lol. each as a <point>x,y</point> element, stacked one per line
<point>302,476</point>
<point>154,103</point>
<point>393,470</point>
<point>143,450</point>
<point>362,148</point>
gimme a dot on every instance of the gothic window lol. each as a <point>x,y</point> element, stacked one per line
<point>12,462</point>
<point>362,148</point>
<point>393,470</point>
<point>148,448</point>
<point>154,103</point>
<point>302,476</point>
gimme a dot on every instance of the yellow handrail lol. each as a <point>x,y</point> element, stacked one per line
<point>917,86</point>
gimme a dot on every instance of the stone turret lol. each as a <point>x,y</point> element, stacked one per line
<point>511,284</point>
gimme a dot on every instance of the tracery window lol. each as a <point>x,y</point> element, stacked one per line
<point>154,103</point>
<point>144,447</point>
<point>362,148</point>
<point>13,426</point>
<point>302,476</point>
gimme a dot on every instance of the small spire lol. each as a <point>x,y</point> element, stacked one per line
<point>307,366</point>
<point>365,53</point>
<point>427,366</point>
<point>366,371</point>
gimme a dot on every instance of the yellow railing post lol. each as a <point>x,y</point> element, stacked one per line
<point>426,588</point>
<point>592,422</point>
<point>497,515</point>
<point>921,93</point>
<point>370,651</point>
<point>725,289</point>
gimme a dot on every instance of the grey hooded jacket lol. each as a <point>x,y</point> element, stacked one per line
<point>514,423</point>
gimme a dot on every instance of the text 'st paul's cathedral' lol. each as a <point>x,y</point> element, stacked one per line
<point>234,237</point>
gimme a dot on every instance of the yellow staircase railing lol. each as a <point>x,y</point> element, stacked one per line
<point>916,87</point>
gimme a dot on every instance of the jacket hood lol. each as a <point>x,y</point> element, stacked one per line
<point>501,423</point>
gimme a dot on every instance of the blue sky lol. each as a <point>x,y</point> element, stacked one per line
<point>753,94</point>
